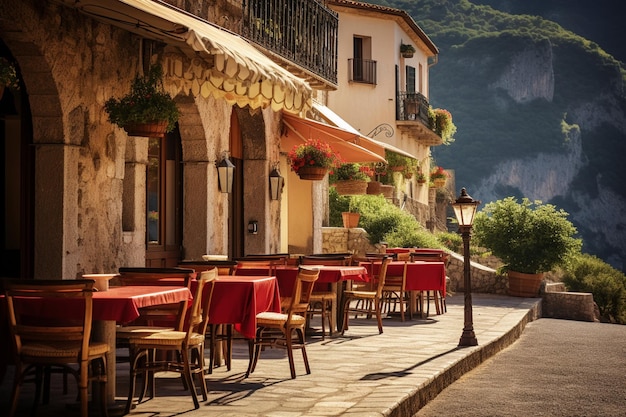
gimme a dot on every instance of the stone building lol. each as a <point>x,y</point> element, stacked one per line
<point>79,195</point>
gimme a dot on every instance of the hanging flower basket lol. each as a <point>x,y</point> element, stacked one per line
<point>312,160</point>
<point>149,130</point>
<point>439,182</point>
<point>351,187</point>
<point>312,173</point>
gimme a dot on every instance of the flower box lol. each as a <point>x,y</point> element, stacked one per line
<point>351,187</point>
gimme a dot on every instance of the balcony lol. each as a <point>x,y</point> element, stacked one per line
<point>362,70</point>
<point>303,33</point>
<point>412,118</point>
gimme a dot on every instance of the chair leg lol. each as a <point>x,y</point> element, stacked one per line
<point>83,386</point>
<point>379,318</point>
<point>346,315</point>
<point>303,348</point>
<point>289,345</point>
<point>254,351</point>
<point>189,379</point>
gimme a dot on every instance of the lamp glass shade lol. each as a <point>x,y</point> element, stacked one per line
<point>276,184</point>
<point>465,208</point>
<point>225,175</point>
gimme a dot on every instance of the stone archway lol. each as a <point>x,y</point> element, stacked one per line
<point>43,194</point>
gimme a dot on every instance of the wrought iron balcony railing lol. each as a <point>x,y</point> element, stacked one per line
<point>412,106</point>
<point>304,32</point>
<point>362,70</point>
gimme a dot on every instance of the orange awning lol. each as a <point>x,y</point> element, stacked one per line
<point>352,147</point>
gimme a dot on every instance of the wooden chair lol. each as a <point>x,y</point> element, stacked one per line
<point>277,329</point>
<point>324,299</point>
<point>42,341</point>
<point>372,299</point>
<point>394,292</point>
<point>157,318</point>
<point>186,344</point>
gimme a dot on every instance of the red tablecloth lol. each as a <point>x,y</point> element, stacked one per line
<point>238,299</point>
<point>420,276</point>
<point>329,274</point>
<point>120,304</point>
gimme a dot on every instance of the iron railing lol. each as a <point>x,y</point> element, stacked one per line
<point>412,106</point>
<point>362,70</point>
<point>304,32</point>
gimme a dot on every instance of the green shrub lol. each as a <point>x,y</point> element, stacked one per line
<point>529,237</point>
<point>587,273</point>
<point>452,241</point>
<point>383,221</point>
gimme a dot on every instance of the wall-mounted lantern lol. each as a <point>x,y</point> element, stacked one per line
<point>225,174</point>
<point>253,227</point>
<point>277,183</point>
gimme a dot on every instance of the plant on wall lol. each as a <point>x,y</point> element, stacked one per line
<point>440,121</point>
<point>146,103</point>
<point>8,74</point>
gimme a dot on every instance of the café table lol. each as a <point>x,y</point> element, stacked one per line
<point>114,305</point>
<point>336,276</point>
<point>420,276</point>
<point>237,299</point>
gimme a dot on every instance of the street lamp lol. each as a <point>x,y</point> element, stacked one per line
<point>225,174</point>
<point>464,210</point>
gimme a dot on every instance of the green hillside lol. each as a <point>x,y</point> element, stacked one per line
<point>477,46</point>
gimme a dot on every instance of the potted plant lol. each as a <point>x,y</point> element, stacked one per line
<point>407,50</point>
<point>8,76</point>
<point>530,239</point>
<point>147,110</point>
<point>351,217</point>
<point>350,178</point>
<point>421,178</point>
<point>438,176</point>
<point>312,159</point>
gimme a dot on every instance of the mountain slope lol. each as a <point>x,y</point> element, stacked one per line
<point>540,113</point>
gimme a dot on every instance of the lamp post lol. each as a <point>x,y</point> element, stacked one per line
<point>464,210</point>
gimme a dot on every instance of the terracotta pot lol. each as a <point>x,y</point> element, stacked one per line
<point>524,285</point>
<point>350,219</point>
<point>312,173</point>
<point>148,130</point>
<point>351,187</point>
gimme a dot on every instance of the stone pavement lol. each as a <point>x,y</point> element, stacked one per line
<point>359,374</point>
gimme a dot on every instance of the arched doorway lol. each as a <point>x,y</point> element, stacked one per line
<point>16,184</point>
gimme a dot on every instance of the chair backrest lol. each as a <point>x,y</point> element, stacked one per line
<point>156,276</point>
<point>223,267</point>
<point>164,314</point>
<point>199,312</point>
<point>258,266</point>
<point>302,289</point>
<point>382,276</point>
<point>50,311</point>
<point>342,260</point>
<point>396,281</point>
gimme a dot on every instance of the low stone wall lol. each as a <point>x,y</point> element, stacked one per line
<point>556,301</point>
<point>353,240</point>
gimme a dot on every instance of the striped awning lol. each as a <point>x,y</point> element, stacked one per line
<point>207,60</point>
<point>351,147</point>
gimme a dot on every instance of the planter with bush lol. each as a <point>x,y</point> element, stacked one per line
<point>530,238</point>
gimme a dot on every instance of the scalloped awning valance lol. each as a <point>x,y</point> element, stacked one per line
<point>210,61</point>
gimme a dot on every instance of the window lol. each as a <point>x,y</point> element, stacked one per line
<point>410,79</point>
<point>362,67</point>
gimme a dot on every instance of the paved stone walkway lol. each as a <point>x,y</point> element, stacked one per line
<point>359,374</point>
